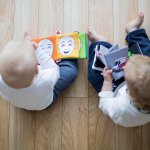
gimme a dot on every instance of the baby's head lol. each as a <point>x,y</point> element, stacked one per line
<point>18,64</point>
<point>137,74</point>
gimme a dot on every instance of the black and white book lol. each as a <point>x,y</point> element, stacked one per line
<point>114,58</point>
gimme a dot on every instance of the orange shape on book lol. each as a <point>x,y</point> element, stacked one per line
<point>47,44</point>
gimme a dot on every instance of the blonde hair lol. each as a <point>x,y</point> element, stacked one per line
<point>137,75</point>
<point>18,64</point>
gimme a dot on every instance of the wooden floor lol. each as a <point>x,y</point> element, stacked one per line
<point>74,122</point>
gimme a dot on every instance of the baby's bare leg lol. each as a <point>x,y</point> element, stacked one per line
<point>136,23</point>
<point>95,37</point>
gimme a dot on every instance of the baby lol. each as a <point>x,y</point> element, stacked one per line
<point>25,83</point>
<point>129,104</point>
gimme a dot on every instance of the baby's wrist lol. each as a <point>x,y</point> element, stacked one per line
<point>107,85</point>
<point>107,82</point>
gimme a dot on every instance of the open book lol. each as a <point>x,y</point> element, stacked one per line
<point>72,45</point>
<point>114,58</point>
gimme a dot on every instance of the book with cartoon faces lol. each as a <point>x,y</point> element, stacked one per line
<point>60,46</point>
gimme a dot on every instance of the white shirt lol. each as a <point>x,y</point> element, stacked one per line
<point>39,95</point>
<point>120,109</point>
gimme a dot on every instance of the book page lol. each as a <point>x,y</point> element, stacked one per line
<point>116,60</point>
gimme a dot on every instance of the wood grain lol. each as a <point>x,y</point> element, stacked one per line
<point>101,128</point>
<point>48,127</point>
<point>48,122</point>
<point>22,129</point>
<point>76,19</point>
<point>144,7</point>
<point>51,17</point>
<point>22,123</point>
<point>75,124</point>
<point>6,32</point>
<point>125,11</point>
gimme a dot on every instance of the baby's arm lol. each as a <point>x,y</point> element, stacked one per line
<point>112,106</point>
<point>108,103</point>
<point>107,84</point>
<point>44,59</point>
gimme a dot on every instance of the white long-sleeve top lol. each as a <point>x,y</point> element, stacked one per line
<point>39,95</point>
<point>120,108</point>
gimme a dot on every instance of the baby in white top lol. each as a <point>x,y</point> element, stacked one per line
<point>129,104</point>
<point>22,81</point>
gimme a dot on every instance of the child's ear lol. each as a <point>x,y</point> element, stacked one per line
<point>35,45</point>
<point>27,36</point>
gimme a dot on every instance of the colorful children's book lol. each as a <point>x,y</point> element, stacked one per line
<point>83,42</point>
<point>59,46</point>
<point>114,58</point>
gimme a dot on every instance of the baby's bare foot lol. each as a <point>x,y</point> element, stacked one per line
<point>135,24</point>
<point>95,37</point>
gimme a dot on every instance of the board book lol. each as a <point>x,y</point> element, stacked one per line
<point>113,58</point>
<point>59,46</point>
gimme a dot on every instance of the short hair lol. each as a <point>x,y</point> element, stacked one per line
<point>137,75</point>
<point>18,63</point>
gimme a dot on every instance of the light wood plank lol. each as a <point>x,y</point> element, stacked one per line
<point>101,128</point>
<point>25,17</point>
<point>144,7</point>
<point>48,122</point>
<point>70,123</point>
<point>125,11</point>
<point>4,125</point>
<point>75,124</point>
<point>101,17</point>
<point>6,31</point>
<point>6,21</point>
<point>22,123</point>
<point>48,127</point>
<point>22,129</point>
<point>76,19</point>
<point>146,137</point>
<point>50,17</point>
<point>128,138</point>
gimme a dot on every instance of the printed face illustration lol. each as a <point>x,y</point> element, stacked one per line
<point>47,46</point>
<point>66,45</point>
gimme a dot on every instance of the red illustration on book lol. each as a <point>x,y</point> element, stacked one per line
<point>119,63</point>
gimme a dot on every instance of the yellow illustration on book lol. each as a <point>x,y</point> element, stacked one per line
<point>60,46</point>
<point>68,45</point>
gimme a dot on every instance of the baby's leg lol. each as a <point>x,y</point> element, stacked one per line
<point>136,35</point>
<point>68,69</point>
<point>94,76</point>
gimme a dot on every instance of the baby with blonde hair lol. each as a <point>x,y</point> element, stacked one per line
<point>28,85</point>
<point>137,74</point>
<point>18,64</point>
<point>129,104</point>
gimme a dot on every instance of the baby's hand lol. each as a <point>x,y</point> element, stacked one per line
<point>107,75</point>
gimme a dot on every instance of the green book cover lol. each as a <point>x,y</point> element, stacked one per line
<point>83,53</point>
